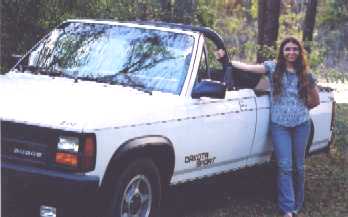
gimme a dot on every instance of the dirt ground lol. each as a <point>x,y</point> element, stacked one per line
<point>252,193</point>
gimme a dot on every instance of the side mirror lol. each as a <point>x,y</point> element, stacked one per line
<point>208,88</point>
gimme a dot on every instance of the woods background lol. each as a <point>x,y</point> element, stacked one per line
<point>250,28</point>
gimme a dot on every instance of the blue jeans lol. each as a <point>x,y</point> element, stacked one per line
<point>289,146</point>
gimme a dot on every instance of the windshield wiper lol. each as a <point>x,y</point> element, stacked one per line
<point>141,87</point>
<point>42,70</point>
<point>129,83</point>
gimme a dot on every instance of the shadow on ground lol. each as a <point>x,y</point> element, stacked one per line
<point>239,188</point>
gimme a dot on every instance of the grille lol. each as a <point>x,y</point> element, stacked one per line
<point>27,144</point>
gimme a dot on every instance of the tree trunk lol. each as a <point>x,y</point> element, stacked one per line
<point>184,10</point>
<point>141,10</point>
<point>247,4</point>
<point>268,25</point>
<point>309,23</point>
<point>166,10</point>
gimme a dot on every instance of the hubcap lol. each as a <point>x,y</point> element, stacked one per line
<point>137,198</point>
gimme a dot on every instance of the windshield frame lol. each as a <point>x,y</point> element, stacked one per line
<point>193,34</point>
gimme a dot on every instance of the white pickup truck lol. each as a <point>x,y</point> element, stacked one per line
<point>100,116</point>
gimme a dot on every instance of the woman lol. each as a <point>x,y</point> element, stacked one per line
<point>290,125</point>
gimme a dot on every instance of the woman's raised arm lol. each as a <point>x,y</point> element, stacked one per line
<point>256,68</point>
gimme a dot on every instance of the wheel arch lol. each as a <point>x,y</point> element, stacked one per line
<point>158,148</point>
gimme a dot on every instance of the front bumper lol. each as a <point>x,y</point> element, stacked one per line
<point>24,189</point>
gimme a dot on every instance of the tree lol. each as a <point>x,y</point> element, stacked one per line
<point>184,10</point>
<point>268,25</point>
<point>19,29</point>
<point>309,23</point>
<point>166,10</point>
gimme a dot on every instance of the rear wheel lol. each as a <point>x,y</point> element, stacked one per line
<point>137,191</point>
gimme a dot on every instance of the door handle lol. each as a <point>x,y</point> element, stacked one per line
<point>242,104</point>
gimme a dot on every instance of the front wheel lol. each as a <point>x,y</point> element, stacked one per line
<point>137,191</point>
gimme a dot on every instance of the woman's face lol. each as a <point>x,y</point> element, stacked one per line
<point>291,52</point>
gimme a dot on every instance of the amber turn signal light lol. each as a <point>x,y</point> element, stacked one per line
<point>66,159</point>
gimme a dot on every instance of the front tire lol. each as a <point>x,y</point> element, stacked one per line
<point>137,191</point>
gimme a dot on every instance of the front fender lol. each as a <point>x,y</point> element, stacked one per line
<point>157,148</point>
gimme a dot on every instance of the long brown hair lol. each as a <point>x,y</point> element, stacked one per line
<point>300,65</point>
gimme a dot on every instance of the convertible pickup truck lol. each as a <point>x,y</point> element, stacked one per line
<point>100,116</point>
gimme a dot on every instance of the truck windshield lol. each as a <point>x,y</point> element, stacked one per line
<point>130,56</point>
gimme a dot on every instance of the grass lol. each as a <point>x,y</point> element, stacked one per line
<point>252,193</point>
<point>341,147</point>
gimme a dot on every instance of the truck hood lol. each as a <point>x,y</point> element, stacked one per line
<point>83,106</point>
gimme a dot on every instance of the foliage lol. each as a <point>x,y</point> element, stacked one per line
<point>13,23</point>
<point>269,52</point>
<point>128,10</point>
<point>24,22</point>
<point>253,193</point>
<point>207,12</point>
<point>290,24</point>
<point>331,74</point>
<point>342,130</point>
<point>335,12</point>
<point>235,20</point>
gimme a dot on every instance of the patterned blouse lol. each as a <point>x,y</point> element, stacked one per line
<point>288,109</point>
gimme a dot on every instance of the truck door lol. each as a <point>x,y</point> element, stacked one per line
<point>261,149</point>
<point>222,135</point>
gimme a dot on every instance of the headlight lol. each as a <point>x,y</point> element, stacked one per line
<point>68,144</point>
<point>76,152</point>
